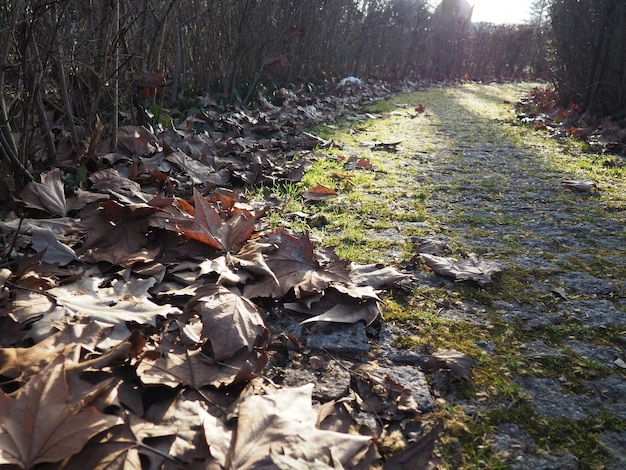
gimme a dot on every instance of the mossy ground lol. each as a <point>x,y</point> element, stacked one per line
<point>378,212</point>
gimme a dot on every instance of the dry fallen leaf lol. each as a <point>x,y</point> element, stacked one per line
<point>208,226</point>
<point>44,423</point>
<point>460,364</point>
<point>284,422</point>
<point>468,268</point>
<point>318,193</point>
<point>295,265</point>
<point>49,195</point>
<point>418,455</point>
<point>579,186</point>
<point>174,365</point>
<point>55,252</point>
<point>335,306</point>
<point>230,322</point>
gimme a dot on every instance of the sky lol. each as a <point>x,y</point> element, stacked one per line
<point>501,11</point>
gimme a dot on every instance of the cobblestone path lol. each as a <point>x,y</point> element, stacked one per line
<point>549,390</point>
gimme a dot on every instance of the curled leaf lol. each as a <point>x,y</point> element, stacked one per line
<point>468,268</point>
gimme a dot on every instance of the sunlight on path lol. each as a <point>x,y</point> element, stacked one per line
<point>546,334</point>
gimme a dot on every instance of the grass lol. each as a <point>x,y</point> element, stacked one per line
<point>423,189</point>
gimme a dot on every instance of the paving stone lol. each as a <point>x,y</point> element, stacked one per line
<point>559,460</point>
<point>514,446</point>
<point>604,355</point>
<point>414,379</point>
<point>534,262</point>
<point>583,283</point>
<point>538,349</point>
<point>531,318</point>
<point>609,389</point>
<point>548,398</point>
<point>386,336</point>
<point>467,312</point>
<point>331,383</point>
<point>615,443</point>
<point>336,338</point>
<point>609,243</point>
<point>593,313</point>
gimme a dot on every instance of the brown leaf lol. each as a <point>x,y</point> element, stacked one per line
<point>109,179</point>
<point>283,423</point>
<point>318,193</point>
<point>173,365</point>
<point>48,196</point>
<point>44,424</point>
<point>208,227</point>
<point>294,264</point>
<point>115,305</point>
<point>23,363</point>
<point>335,306</point>
<point>55,252</point>
<point>230,322</point>
<point>469,268</point>
<point>460,364</point>
<point>137,140</point>
<point>418,455</point>
<point>375,275</point>
<point>121,446</point>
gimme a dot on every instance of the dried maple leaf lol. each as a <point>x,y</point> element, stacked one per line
<point>137,140</point>
<point>230,322</point>
<point>23,363</point>
<point>117,234</point>
<point>109,180</point>
<point>319,193</point>
<point>121,446</point>
<point>335,306</point>
<point>209,228</point>
<point>49,195</point>
<point>115,305</point>
<point>294,263</point>
<point>121,302</point>
<point>43,423</point>
<point>55,252</point>
<point>460,364</point>
<point>284,424</point>
<point>468,268</point>
<point>375,275</point>
<point>173,365</point>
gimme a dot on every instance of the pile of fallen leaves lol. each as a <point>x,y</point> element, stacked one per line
<point>135,287</point>
<point>542,109</point>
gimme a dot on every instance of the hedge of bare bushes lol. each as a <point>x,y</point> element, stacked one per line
<point>64,64</point>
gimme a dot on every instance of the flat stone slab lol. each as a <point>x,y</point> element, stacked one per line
<point>330,383</point>
<point>538,349</point>
<point>604,355</point>
<point>337,338</point>
<point>386,336</point>
<point>534,262</point>
<point>530,317</point>
<point>415,380</point>
<point>615,443</point>
<point>514,446</point>
<point>584,284</point>
<point>593,312</point>
<point>548,398</point>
